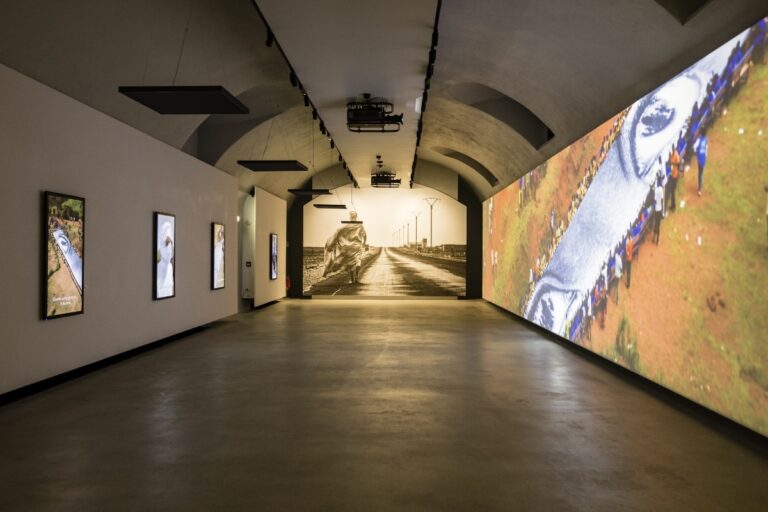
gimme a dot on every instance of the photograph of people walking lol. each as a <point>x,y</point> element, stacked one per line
<point>692,251</point>
<point>415,249</point>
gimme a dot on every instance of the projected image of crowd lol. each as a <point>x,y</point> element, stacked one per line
<point>645,241</point>
<point>662,200</point>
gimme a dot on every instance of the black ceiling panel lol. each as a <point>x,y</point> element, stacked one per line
<point>273,165</point>
<point>185,99</point>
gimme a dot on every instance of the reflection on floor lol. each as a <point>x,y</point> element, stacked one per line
<point>366,405</point>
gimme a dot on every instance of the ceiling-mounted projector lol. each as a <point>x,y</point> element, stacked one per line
<point>372,115</point>
<point>384,179</point>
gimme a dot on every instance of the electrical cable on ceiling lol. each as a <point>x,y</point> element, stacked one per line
<point>269,134</point>
<point>183,42</point>
<point>295,82</point>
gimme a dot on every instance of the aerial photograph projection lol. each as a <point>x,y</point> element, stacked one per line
<point>65,218</point>
<point>165,256</point>
<point>646,241</point>
<point>217,256</point>
<point>399,242</point>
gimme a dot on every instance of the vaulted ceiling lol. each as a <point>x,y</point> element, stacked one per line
<point>569,65</point>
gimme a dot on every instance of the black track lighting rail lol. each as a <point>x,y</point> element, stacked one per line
<point>293,77</point>
<point>425,96</point>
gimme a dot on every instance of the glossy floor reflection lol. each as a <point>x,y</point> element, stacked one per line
<point>366,405</point>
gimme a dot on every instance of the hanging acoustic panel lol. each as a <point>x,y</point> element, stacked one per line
<point>272,165</point>
<point>310,191</point>
<point>185,99</point>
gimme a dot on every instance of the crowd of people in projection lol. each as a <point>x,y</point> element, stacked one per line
<point>662,200</point>
<point>64,255</point>
<point>558,226</point>
<point>644,242</point>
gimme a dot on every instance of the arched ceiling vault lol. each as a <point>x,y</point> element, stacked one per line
<point>291,135</point>
<point>87,48</point>
<point>571,64</point>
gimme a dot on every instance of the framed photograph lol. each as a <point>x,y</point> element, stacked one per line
<point>272,256</point>
<point>63,254</point>
<point>217,256</point>
<point>164,256</point>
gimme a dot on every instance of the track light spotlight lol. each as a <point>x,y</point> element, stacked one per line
<point>434,39</point>
<point>293,79</point>
<point>270,38</point>
<point>322,127</point>
<point>314,114</point>
<point>332,144</point>
<point>432,56</point>
<point>306,100</point>
<point>340,159</point>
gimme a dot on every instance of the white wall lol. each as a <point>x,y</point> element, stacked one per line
<point>51,142</point>
<point>271,217</point>
<point>247,247</point>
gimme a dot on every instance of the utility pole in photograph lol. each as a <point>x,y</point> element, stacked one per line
<point>407,234</point>
<point>431,202</point>
<point>416,235</point>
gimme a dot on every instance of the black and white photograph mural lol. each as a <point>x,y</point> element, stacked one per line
<point>164,256</point>
<point>385,242</point>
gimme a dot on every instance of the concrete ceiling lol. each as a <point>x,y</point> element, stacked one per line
<point>572,64</point>
<point>342,49</point>
<point>291,135</point>
<point>87,48</point>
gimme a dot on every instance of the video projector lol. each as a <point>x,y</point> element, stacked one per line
<point>372,116</point>
<point>384,179</point>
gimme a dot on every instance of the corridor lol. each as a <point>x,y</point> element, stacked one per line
<point>367,405</point>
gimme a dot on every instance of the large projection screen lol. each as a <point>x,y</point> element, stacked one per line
<point>646,240</point>
<point>63,254</point>
<point>164,256</point>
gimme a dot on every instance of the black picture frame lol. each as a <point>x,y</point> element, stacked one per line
<point>47,236</point>
<point>156,218</point>
<point>272,256</point>
<point>214,225</point>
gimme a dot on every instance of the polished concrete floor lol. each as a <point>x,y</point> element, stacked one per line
<point>365,406</point>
